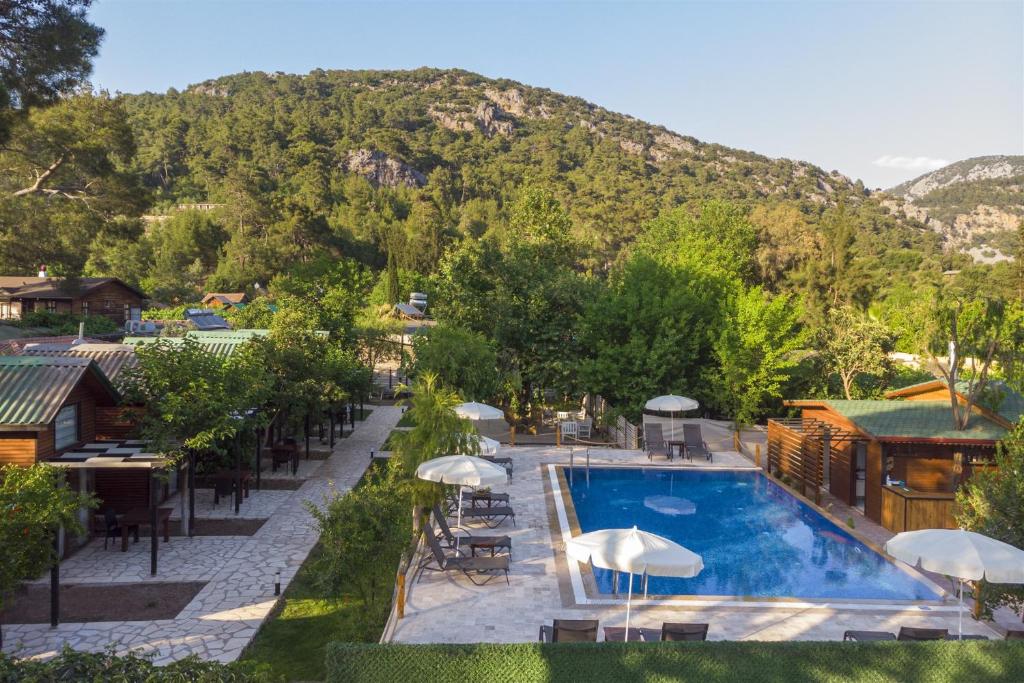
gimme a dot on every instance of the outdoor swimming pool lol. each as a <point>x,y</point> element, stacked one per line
<point>756,539</point>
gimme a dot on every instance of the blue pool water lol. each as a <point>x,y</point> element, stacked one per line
<point>755,538</point>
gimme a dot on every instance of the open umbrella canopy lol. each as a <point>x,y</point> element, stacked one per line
<point>960,553</point>
<point>478,411</point>
<point>488,446</point>
<point>636,552</point>
<point>464,470</point>
<point>671,403</point>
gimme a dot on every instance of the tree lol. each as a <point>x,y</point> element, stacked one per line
<point>974,333</point>
<point>756,353</point>
<point>361,532</point>
<point>437,430</point>
<point>991,502</point>
<point>854,345</point>
<point>35,502</point>
<point>46,50</point>
<point>463,360</point>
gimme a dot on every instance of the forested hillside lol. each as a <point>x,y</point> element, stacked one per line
<point>976,205</point>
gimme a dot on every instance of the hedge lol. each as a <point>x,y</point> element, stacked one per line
<point>823,662</point>
<point>101,667</point>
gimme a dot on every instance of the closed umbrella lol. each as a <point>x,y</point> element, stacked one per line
<point>478,411</point>
<point>636,552</point>
<point>671,404</point>
<point>462,470</point>
<point>967,555</point>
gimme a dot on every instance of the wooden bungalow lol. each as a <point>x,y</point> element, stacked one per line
<point>225,300</point>
<point>106,296</point>
<point>48,414</point>
<point>899,460</point>
<point>112,422</point>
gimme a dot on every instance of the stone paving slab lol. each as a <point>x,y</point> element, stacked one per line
<point>448,608</point>
<point>259,505</point>
<point>225,615</point>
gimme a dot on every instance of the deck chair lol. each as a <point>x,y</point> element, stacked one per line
<point>677,631</point>
<point>694,442</point>
<point>654,442</point>
<point>908,633</point>
<point>492,515</point>
<point>504,462</point>
<point>470,541</point>
<point>1014,635</point>
<point>569,631</point>
<point>472,567</point>
<point>868,636</point>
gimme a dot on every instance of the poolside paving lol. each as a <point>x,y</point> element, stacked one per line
<point>225,615</point>
<point>448,608</point>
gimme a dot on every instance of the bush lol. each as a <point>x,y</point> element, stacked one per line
<point>726,661</point>
<point>67,323</point>
<point>71,665</point>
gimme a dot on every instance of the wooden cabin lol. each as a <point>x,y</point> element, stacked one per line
<point>898,460</point>
<point>48,414</point>
<point>225,300</point>
<point>112,422</point>
<point>105,296</point>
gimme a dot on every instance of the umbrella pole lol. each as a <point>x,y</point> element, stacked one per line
<point>458,521</point>
<point>629,599</point>
<point>960,628</point>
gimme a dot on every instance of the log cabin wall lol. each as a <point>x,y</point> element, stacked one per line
<point>116,422</point>
<point>18,448</point>
<point>86,401</point>
<point>873,482</point>
<point>109,300</point>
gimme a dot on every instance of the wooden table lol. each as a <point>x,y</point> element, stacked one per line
<point>138,517</point>
<point>681,445</point>
<point>221,476</point>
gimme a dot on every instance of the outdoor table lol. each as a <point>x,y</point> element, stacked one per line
<point>489,498</point>
<point>487,544</point>
<point>221,476</point>
<point>137,517</point>
<point>680,445</point>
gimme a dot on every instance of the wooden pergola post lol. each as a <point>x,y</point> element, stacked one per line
<point>237,448</point>
<point>153,494</point>
<point>305,433</point>
<point>55,581</point>
<point>259,456</point>
<point>191,493</point>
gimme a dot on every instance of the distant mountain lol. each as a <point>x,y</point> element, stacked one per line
<point>966,171</point>
<point>975,204</point>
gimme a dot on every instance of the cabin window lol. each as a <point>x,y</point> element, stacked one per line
<point>108,304</point>
<point>85,308</point>
<point>51,306</point>
<point>66,427</point>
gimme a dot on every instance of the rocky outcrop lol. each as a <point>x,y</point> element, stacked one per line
<point>380,169</point>
<point>488,118</point>
<point>977,168</point>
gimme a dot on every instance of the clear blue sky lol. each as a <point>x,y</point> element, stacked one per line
<point>879,91</point>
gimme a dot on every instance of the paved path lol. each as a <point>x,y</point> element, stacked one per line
<point>225,615</point>
<point>448,608</point>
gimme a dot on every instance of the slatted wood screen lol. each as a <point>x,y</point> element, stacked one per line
<point>796,455</point>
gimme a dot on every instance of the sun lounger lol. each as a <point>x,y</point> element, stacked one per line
<point>866,636</point>
<point>1015,635</point>
<point>694,443</point>
<point>472,567</point>
<point>908,633</point>
<point>470,541</point>
<point>569,631</point>
<point>654,442</point>
<point>617,634</point>
<point>492,515</point>
<point>966,636</point>
<point>504,462</point>
<point>678,631</point>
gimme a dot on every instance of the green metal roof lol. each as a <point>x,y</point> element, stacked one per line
<point>914,420</point>
<point>33,388</point>
<point>220,345</point>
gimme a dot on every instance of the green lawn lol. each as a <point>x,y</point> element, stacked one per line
<point>293,642</point>
<point>406,420</point>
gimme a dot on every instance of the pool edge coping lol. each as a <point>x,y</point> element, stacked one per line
<point>580,597</point>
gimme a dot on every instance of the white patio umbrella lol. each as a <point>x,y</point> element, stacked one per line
<point>960,553</point>
<point>462,470</point>
<point>636,552</point>
<point>670,403</point>
<point>478,411</point>
<point>488,446</point>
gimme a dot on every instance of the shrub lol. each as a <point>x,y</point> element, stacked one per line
<point>708,662</point>
<point>71,665</point>
<point>67,323</point>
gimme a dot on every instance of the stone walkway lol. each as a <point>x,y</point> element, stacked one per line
<point>448,608</point>
<point>228,611</point>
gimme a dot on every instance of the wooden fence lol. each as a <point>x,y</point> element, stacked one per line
<point>796,455</point>
<point>621,432</point>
